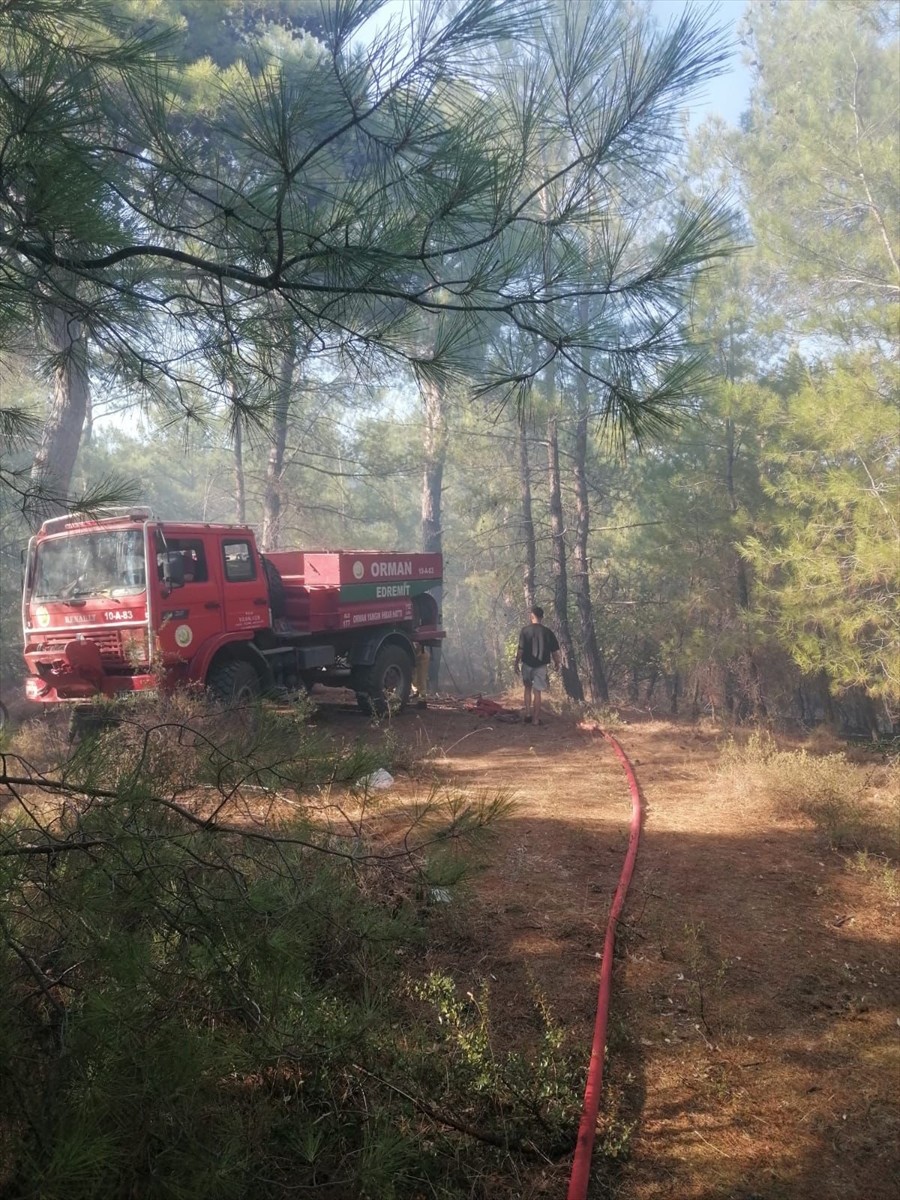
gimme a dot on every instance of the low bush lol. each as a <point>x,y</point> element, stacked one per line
<point>527,1101</point>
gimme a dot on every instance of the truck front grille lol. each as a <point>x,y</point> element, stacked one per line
<point>118,647</point>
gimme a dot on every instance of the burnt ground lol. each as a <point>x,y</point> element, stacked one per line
<point>753,1042</point>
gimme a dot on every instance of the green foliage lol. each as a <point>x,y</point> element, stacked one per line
<point>533,1099</point>
<point>206,972</point>
<point>829,562</point>
<point>229,30</point>
<point>820,153</point>
<point>766,570</point>
<point>744,563</point>
<point>209,988</point>
<point>326,188</point>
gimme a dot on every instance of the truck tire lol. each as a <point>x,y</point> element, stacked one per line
<point>234,683</point>
<point>384,687</point>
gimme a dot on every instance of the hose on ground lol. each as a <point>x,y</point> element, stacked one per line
<point>587,1128</point>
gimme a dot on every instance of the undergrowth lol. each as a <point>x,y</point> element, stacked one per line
<point>878,870</point>
<point>855,808</point>
<point>606,716</point>
<point>207,960</point>
<point>529,1100</point>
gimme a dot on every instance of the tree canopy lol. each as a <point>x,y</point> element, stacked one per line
<point>363,187</point>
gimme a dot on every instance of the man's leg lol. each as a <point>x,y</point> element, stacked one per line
<point>527,700</point>
<point>538,682</point>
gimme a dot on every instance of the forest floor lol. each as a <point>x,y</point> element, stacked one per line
<point>753,1043</point>
<point>753,1049</point>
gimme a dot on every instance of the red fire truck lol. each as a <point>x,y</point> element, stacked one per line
<point>127,602</point>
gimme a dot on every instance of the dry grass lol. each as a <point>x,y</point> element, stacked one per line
<point>878,871</point>
<point>43,741</point>
<point>854,806</point>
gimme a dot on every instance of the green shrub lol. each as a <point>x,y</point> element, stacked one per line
<point>532,1099</point>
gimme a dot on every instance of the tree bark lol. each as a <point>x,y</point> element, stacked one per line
<point>529,570</point>
<point>240,493</point>
<point>754,700</point>
<point>743,583</point>
<point>582,579</point>
<point>826,698</point>
<point>597,680</point>
<point>87,433</point>
<point>435,458</point>
<point>434,446</point>
<point>571,681</point>
<point>54,462</point>
<point>272,501</point>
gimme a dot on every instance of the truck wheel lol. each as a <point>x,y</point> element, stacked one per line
<point>385,687</point>
<point>234,683</point>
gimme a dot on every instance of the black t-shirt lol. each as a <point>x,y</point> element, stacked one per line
<point>537,645</point>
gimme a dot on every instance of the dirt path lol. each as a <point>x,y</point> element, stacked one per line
<point>753,1039</point>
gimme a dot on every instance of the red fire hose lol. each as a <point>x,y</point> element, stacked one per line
<point>581,1166</point>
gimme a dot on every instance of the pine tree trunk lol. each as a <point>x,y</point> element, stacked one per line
<point>571,681</point>
<point>582,579</point>
<point>529,571</point>
<point>272,505</point>
<point>752,697</point>
<point>434,447</point>
<point>826,699</point>
<point>240,491</point>
<point>582,582</point>
<point>54,462</point>
<point>435,457</point>
<point>88,429</point>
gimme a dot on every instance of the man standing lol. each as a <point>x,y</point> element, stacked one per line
<point>537,645</point>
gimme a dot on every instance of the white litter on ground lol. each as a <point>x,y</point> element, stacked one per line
<point>377,781</point>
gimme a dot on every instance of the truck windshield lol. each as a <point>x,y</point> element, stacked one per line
<point>108,563</point>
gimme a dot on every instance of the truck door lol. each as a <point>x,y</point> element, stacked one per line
<point>188,595</point>
<point>243,582</point>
